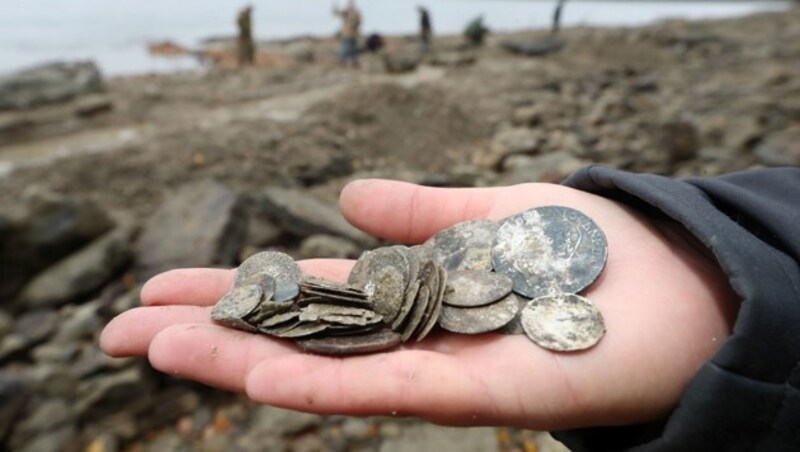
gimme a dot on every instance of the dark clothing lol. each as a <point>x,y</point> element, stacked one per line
<point>748,396</point>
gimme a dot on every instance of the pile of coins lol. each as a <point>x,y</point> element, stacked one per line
<point>520,275</point>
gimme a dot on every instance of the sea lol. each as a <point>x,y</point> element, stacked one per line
<point>115,34</point>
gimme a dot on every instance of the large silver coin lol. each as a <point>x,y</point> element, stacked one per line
<point>370,263</point>
<point>281,267</point>
<point>563,322</point>
<point>549,250</point>
<point>470,288</point>
<point>478,320</point>
<point>466,245</point>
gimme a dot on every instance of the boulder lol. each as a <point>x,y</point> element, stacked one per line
<point>780,149</point>
<point>400,63</point>
<point>201,225</point>
<point>49,83</point>
<point>303,215</point>
<point>47,228</point>
<point>81,273</point>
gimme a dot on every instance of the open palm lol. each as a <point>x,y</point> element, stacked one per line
<point>664,304</point>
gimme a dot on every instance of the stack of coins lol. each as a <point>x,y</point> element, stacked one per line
<point>519,275</point>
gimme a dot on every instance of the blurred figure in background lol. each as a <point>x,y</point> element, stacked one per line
<point>246,47</point>
<point>425,29</point>
<point>557,18</point>
<point>476,32</point>
<point>351,23</point>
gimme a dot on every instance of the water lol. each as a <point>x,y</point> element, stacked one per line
<point>116,33</point>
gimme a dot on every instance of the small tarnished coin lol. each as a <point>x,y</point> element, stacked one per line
<point>466,245</point>
<point>372,262</point>
<point>353,344</point>
<point>427,278</point>
<point>240,302</point>
<point>279,319</point>
<point>407,305</point>
<point>478,320</point>
<point>470,288</point>
<point>549,250</point>
<point>563,322</point>
<point>434,304</point>
<point>386,288</point>
<point>299,329</point>
<point>515,325</point>
<point>279,266</point>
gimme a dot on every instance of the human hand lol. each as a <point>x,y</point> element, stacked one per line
<point>667,309</point>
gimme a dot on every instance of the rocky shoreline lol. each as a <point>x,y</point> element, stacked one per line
<point>109,186</point>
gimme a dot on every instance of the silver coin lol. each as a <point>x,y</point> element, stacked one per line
<point>386,288</point>
<point>549,250</point>
<point>466,245</point>
<point>470,288</point>
<point>281,267</point>
<point>372,262</point>
<point>406,306</point>
<point>299,329</point>
<point>478,320</point>
<point>563,322</point>
<point>240,302</point>
<point>352,344</point>
<point>434,304</point>
<point>515,325</point>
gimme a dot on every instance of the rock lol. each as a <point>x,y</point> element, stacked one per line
<point>50,415</point>
<point>535,48</point>
<point>56,352</point>
<point>399,63</point>
<point>81,322</point>
<point>52,440</point>
<point>48,83</point>
<point>81,273</point>
<point>517,140</point>
<point>124,302</point>
<point>268,420</point>
<point>104,442</point>
<point>426,436</point>
<point>168,441</point>
<point>453,59</point>
<point>6,324</point>
<point>527,116</point>
<point>52,380</point>
<point>49,227</point>
<point>31,329</point>
<point>93,105</point>
<point>261,231</point>
<point>303,215</point>
<point>110,393</point>
<point>321,245</point>
<point>201,225</point>
<point>553,167</point>
<point>14,392</point>
<point>780,149</point>
<point>679,139</point>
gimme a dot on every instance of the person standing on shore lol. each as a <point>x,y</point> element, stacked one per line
<point>425,29</point>
<point>246,46</point>
<point>557,18</point>
<point>351,23</point>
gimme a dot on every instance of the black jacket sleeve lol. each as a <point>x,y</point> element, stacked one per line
<point>748,396</point>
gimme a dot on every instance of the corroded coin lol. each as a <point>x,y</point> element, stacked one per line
<point>239,303</point>
<point>478,320</point>
<point>386,288</point>
<point>372,262</point>
<point>466,245</point>
<point>515,325</point>
<point>549,250</point>
<point>431,314</point>
<point>281,267</point>
<point>406,306</point>
<point>563,322</point>
<point>470,288</point>
<point>352,344</point>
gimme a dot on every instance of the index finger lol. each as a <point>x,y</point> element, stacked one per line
<point>205,286</point>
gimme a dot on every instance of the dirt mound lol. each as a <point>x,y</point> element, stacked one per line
<point>386,124</point>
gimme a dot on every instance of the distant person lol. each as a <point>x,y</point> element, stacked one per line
<point>425,29</point>
<point>476,32</point>
<point>351,23</point>
<point>246,47</point>
<point>557,18</point>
